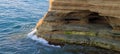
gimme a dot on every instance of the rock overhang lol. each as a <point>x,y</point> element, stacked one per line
<point>89,22</point>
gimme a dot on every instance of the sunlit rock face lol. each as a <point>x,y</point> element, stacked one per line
<point>90,22</point>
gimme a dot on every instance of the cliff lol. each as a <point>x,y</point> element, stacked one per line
<point>89,22</point>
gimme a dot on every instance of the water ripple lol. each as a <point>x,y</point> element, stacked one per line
<point>17,18</point>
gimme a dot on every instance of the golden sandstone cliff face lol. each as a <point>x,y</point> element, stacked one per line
<point>91,22</point>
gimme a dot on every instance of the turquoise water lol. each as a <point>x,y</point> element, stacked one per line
<point>18,18</point>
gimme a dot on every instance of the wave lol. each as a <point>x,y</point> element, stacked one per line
<point>34,37</point>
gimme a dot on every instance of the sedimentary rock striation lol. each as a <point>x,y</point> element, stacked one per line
<point>89,22</point>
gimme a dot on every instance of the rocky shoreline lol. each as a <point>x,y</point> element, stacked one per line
<point>93,23</point>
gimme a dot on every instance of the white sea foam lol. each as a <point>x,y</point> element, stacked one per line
<point>32,36</point>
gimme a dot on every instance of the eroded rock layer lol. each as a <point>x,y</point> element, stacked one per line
<point>90,22</point>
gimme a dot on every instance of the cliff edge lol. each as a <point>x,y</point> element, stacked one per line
<point>86,22</point>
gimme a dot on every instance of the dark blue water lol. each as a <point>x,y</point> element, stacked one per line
<point>18,18</point>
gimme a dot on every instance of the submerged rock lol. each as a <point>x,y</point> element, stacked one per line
<point>86,22</point>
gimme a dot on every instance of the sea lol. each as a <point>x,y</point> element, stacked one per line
<point>18,19</point>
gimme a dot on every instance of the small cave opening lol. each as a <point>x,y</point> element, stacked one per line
<point>95,18</point>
